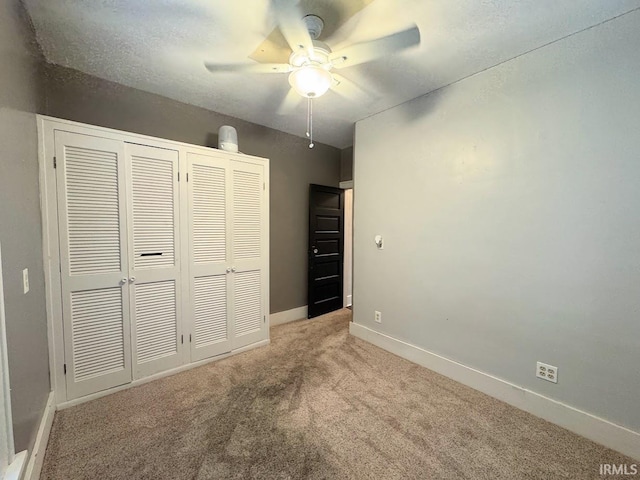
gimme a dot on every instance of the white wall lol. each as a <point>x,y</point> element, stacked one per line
<point>509,203</point>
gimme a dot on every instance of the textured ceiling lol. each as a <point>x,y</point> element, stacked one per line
<point>160,45</point>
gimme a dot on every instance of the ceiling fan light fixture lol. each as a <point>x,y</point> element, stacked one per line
<point>311,81</point>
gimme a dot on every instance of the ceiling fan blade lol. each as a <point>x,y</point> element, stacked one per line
<point>373,49</point>
<point>293,28</point>
<point>248,67</point>
<point>349,89</point>
<point>290,102</point>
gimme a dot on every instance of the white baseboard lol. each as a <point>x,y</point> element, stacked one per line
<point>585,424</point>
<point>36,458</point>
<point>288,316</point>
<point>151,378</point>
<point>16,467</point>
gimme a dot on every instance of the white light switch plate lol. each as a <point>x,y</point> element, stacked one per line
<point>25,280</point>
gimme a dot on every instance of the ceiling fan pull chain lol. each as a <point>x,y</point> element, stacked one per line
<point>311,123</point>
<point>308,115</point>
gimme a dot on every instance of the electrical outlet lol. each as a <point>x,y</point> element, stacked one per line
<point>378,317</point>
<point>25,280</point>
<point>547,372</point>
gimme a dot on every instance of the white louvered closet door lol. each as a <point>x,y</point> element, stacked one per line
<point>209,244</point>
<point>248,255</point>
<point>154,268</point>
<point>90,180</point>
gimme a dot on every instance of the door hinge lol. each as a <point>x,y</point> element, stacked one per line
<point>178,176</point>
<point>187,176</point>
<point>189,338</point>
<point>264,186</point>
<point>264,319</point>
<point>65,368</point>
<point>55,162</point>
<point>181,338</point>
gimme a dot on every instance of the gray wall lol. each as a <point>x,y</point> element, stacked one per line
<point>510,203</point>
<point>20,230</point>
<point>346,164</point>
<point>76,96</point>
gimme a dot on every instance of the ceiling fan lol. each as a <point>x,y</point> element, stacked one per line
<point>311,61</point>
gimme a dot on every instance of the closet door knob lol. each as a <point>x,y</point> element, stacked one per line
<point>228,269</point>
<point>123,281</point>
<point>233,269</point>
<point>132,279</point>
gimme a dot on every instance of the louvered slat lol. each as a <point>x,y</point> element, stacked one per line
<point>210,310</point>
<point>152,182</point>
<point>246,301</point>
<point>97,332</point>
<point>156,321</point>
<point>247,193</point>
<point>209,214</point>
<point>91,178</point>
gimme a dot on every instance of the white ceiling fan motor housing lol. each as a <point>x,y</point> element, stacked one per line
<point>320,55</point>
<point>311,76</point>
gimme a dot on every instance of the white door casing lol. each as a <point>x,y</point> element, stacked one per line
<point>154,270</point>
<point>93,262</point>
<point>348,247</point>
<point>6,427</point>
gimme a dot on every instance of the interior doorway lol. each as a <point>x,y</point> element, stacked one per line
<point>326,247</point>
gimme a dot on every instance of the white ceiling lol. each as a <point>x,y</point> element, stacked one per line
<point>160,45</point>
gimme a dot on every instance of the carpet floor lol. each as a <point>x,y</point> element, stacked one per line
<point>315,404</point>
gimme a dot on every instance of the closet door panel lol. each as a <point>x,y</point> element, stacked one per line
<point>247,303</point>
<point>90,179</point>
<point>156,321</point>
<point>155,268</point>
<point>248,255</point>
<point>247,213</point>
<point>209,247</point>
<point>210,311</point>
<point>97,332</point>
<point>208,212</point>
<point>154,201</point>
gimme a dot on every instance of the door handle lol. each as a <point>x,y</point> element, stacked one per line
<point>315,250</point>
<point>123,281</point>
<point>228,269</point>
<point>132,279</point>
<point>233,269</point>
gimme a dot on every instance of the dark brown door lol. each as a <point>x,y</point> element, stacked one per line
<point>326,249</point>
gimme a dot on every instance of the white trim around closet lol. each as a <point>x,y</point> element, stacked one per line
<point>48,198</point>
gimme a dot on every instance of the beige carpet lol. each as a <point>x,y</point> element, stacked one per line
<point>317,403</point>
